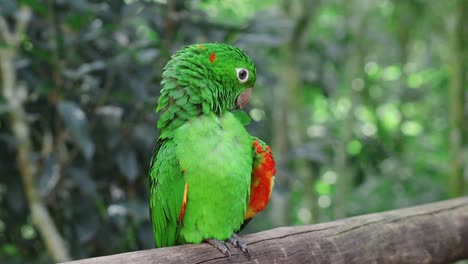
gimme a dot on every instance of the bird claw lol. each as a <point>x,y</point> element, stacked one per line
<point>221,246</point>
<point>224,248</point>
<point>237,242</point>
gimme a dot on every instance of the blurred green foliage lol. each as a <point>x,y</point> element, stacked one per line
<point>352,96</point>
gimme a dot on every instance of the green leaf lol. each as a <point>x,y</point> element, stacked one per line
<point>78,21</point>
<point>354,147</point>
<point>83,180</point>
<point>10,249</point>
<point>322,187</point>
<point>128,164</point>
<point>35,5</point>
<point>76,122</point>
<point>3,45</point>
<point>49,175</point>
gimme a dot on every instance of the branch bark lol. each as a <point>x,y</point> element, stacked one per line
<point>15,95</point>
<point>432,233</point>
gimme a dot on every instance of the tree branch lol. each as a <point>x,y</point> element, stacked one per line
<point>15,95</point>
<point>4,31</point>
<point>431,233</point>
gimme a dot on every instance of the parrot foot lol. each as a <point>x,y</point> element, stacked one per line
<point>237,242</point>
<point>221,246</point>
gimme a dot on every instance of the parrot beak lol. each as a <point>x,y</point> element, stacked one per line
<point>243,98</point>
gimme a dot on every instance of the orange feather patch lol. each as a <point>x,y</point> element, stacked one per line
<point>184,203</point>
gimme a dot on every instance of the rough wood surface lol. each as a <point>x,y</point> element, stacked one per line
<point>431,233</point>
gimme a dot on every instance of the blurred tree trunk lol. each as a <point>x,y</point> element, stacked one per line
<point>279,208</point>
<point>403,15</point>
<point>15,94</point>
<point>353,85</point>
<point>290,129</point>
<point>458,127</point>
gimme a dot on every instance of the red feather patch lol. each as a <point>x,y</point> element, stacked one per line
<point>212,57</point>
<point>263,175</point>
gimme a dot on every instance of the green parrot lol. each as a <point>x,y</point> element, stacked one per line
<point>208,176</point>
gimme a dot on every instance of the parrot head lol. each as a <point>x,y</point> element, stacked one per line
<point>234,75</point>
<point>214,77</point>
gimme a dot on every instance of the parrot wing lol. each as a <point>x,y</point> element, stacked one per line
<point>262,181</point>
<point>168,193</point>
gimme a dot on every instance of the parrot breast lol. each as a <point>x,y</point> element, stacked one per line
<point>216,156</point>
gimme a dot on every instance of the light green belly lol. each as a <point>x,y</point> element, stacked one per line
<point>216,155</point>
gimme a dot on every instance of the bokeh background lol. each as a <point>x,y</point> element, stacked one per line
<point>363,102</point>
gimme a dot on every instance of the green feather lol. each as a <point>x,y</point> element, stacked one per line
<point>166,193</point>
<point>243,118</point>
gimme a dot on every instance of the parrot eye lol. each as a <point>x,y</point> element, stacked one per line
<point>242,74</point>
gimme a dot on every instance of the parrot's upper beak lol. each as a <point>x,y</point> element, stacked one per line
<point>243,98</point>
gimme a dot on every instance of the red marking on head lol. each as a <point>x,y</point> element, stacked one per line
<point>184,203</point>
<point>212,57</point>
<point>201,47</point>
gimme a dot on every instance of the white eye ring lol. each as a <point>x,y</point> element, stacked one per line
<point>242,74</point>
